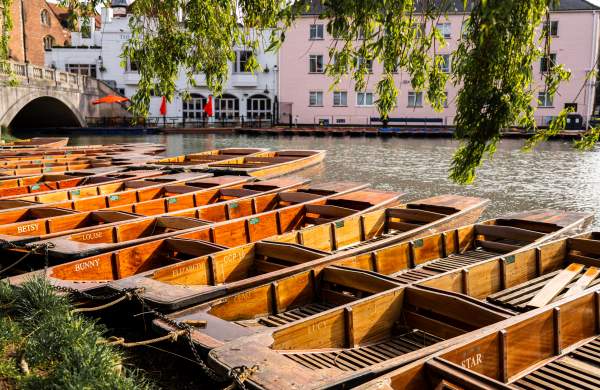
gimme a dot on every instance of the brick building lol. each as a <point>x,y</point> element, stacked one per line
<point>37,26</point>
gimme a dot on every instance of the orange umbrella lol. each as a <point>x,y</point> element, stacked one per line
<point>110,99</point>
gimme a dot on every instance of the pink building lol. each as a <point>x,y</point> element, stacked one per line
<point>304,90</point>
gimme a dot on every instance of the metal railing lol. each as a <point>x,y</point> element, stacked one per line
<point>178,122</point>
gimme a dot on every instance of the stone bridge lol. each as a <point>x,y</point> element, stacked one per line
<point>42,98</point>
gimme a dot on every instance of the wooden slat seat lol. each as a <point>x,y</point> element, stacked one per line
<point>579,369</point>
<point>517,297</point>
<point>353,359</point>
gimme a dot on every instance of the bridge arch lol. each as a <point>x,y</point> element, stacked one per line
<point>36,110</point>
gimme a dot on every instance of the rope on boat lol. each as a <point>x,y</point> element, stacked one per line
<point>45,246</point>
<point>239,375</point>
<point>127,296</point>
<point>172,336</point>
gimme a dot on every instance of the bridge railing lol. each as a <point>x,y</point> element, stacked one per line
<point>32,74</point>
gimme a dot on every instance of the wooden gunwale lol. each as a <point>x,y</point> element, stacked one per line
<point>190,296</point>
<point>218,195</point>
<point>74,245</point>
<point>371,335</point>
<point>551,347</point>
<point>266,164</point>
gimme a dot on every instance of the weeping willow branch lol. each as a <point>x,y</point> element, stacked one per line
<point>494,66</point>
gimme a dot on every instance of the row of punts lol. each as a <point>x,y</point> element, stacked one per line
<point>314,285</point>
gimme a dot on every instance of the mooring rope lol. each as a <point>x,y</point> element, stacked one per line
<point>172,336</point>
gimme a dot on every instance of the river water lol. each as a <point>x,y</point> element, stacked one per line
<point>554,175</point>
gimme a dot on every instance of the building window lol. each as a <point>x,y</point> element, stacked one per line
<point>258,107</point>
<point>445,102</point>
<point>544,99</point>
<point>316,63</point>
<point>45,17</point>
<point>552,28</point>
<point>340,98</point>
<point>83,69</point>
<point>193,108</point>
<point>241,61</point>
<point>340,121</point>
<point>368,64</point>
<point>227,107</point>
<point>48,42</point>
<point>364,98</point>
<point>445,29</point>
<point>546,63</point>
<point>445,62</point>
<point>415,99</point>
<point>132,66</point>
<point>315,99</point>
<point>316,32</point>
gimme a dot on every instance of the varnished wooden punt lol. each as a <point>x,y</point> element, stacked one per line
<point>370,335</point>
<point>33,162</point>
<point>269,164</point>
<point>39,170</point>
<point>427,257</point>
<point>52,177</point>
<point>198,281</point>
<point>278,303</point>
<point>44,184</point>
<point>135,189</point>
<point>555,347</point>
<point>47,142</point>
<point>200,160</point>
<point>265,208</point>
<point>511,281</point>
<point>94,272</point>
<point>205,199</point>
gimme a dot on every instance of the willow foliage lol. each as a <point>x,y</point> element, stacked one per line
<point>493,65</point>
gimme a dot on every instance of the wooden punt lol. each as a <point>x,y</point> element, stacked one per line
<point>198,281</point>
<point>200,160</point>
<point>555,347</point>
<point>426,257</point>
<point>140,230</point>
<point>45,183</point>
<point>268,164</point>
<point>206,200</point>
<point>137,186</point>
<point>278,303</point>
<point>96,271</point>
<point>362,337</point>
<point>522,280</point>
<point>47,142</point>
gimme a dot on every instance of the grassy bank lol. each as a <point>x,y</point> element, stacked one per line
<point>43,345</point>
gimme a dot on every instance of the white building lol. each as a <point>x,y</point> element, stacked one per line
<point>246,95</point>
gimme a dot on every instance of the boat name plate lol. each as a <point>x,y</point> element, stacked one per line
<point>35,187</point>
<point>339,224</point>
<point>254,221</point>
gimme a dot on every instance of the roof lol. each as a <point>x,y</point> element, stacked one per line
<point>62,14</point>
<point>457,6</point>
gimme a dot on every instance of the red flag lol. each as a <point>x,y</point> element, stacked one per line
<point>163,106</point>
<point>208,107</point>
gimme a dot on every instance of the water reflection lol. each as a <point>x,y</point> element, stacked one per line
<point>554,175</point>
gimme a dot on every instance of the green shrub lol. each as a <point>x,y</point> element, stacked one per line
<point>60,350</point>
